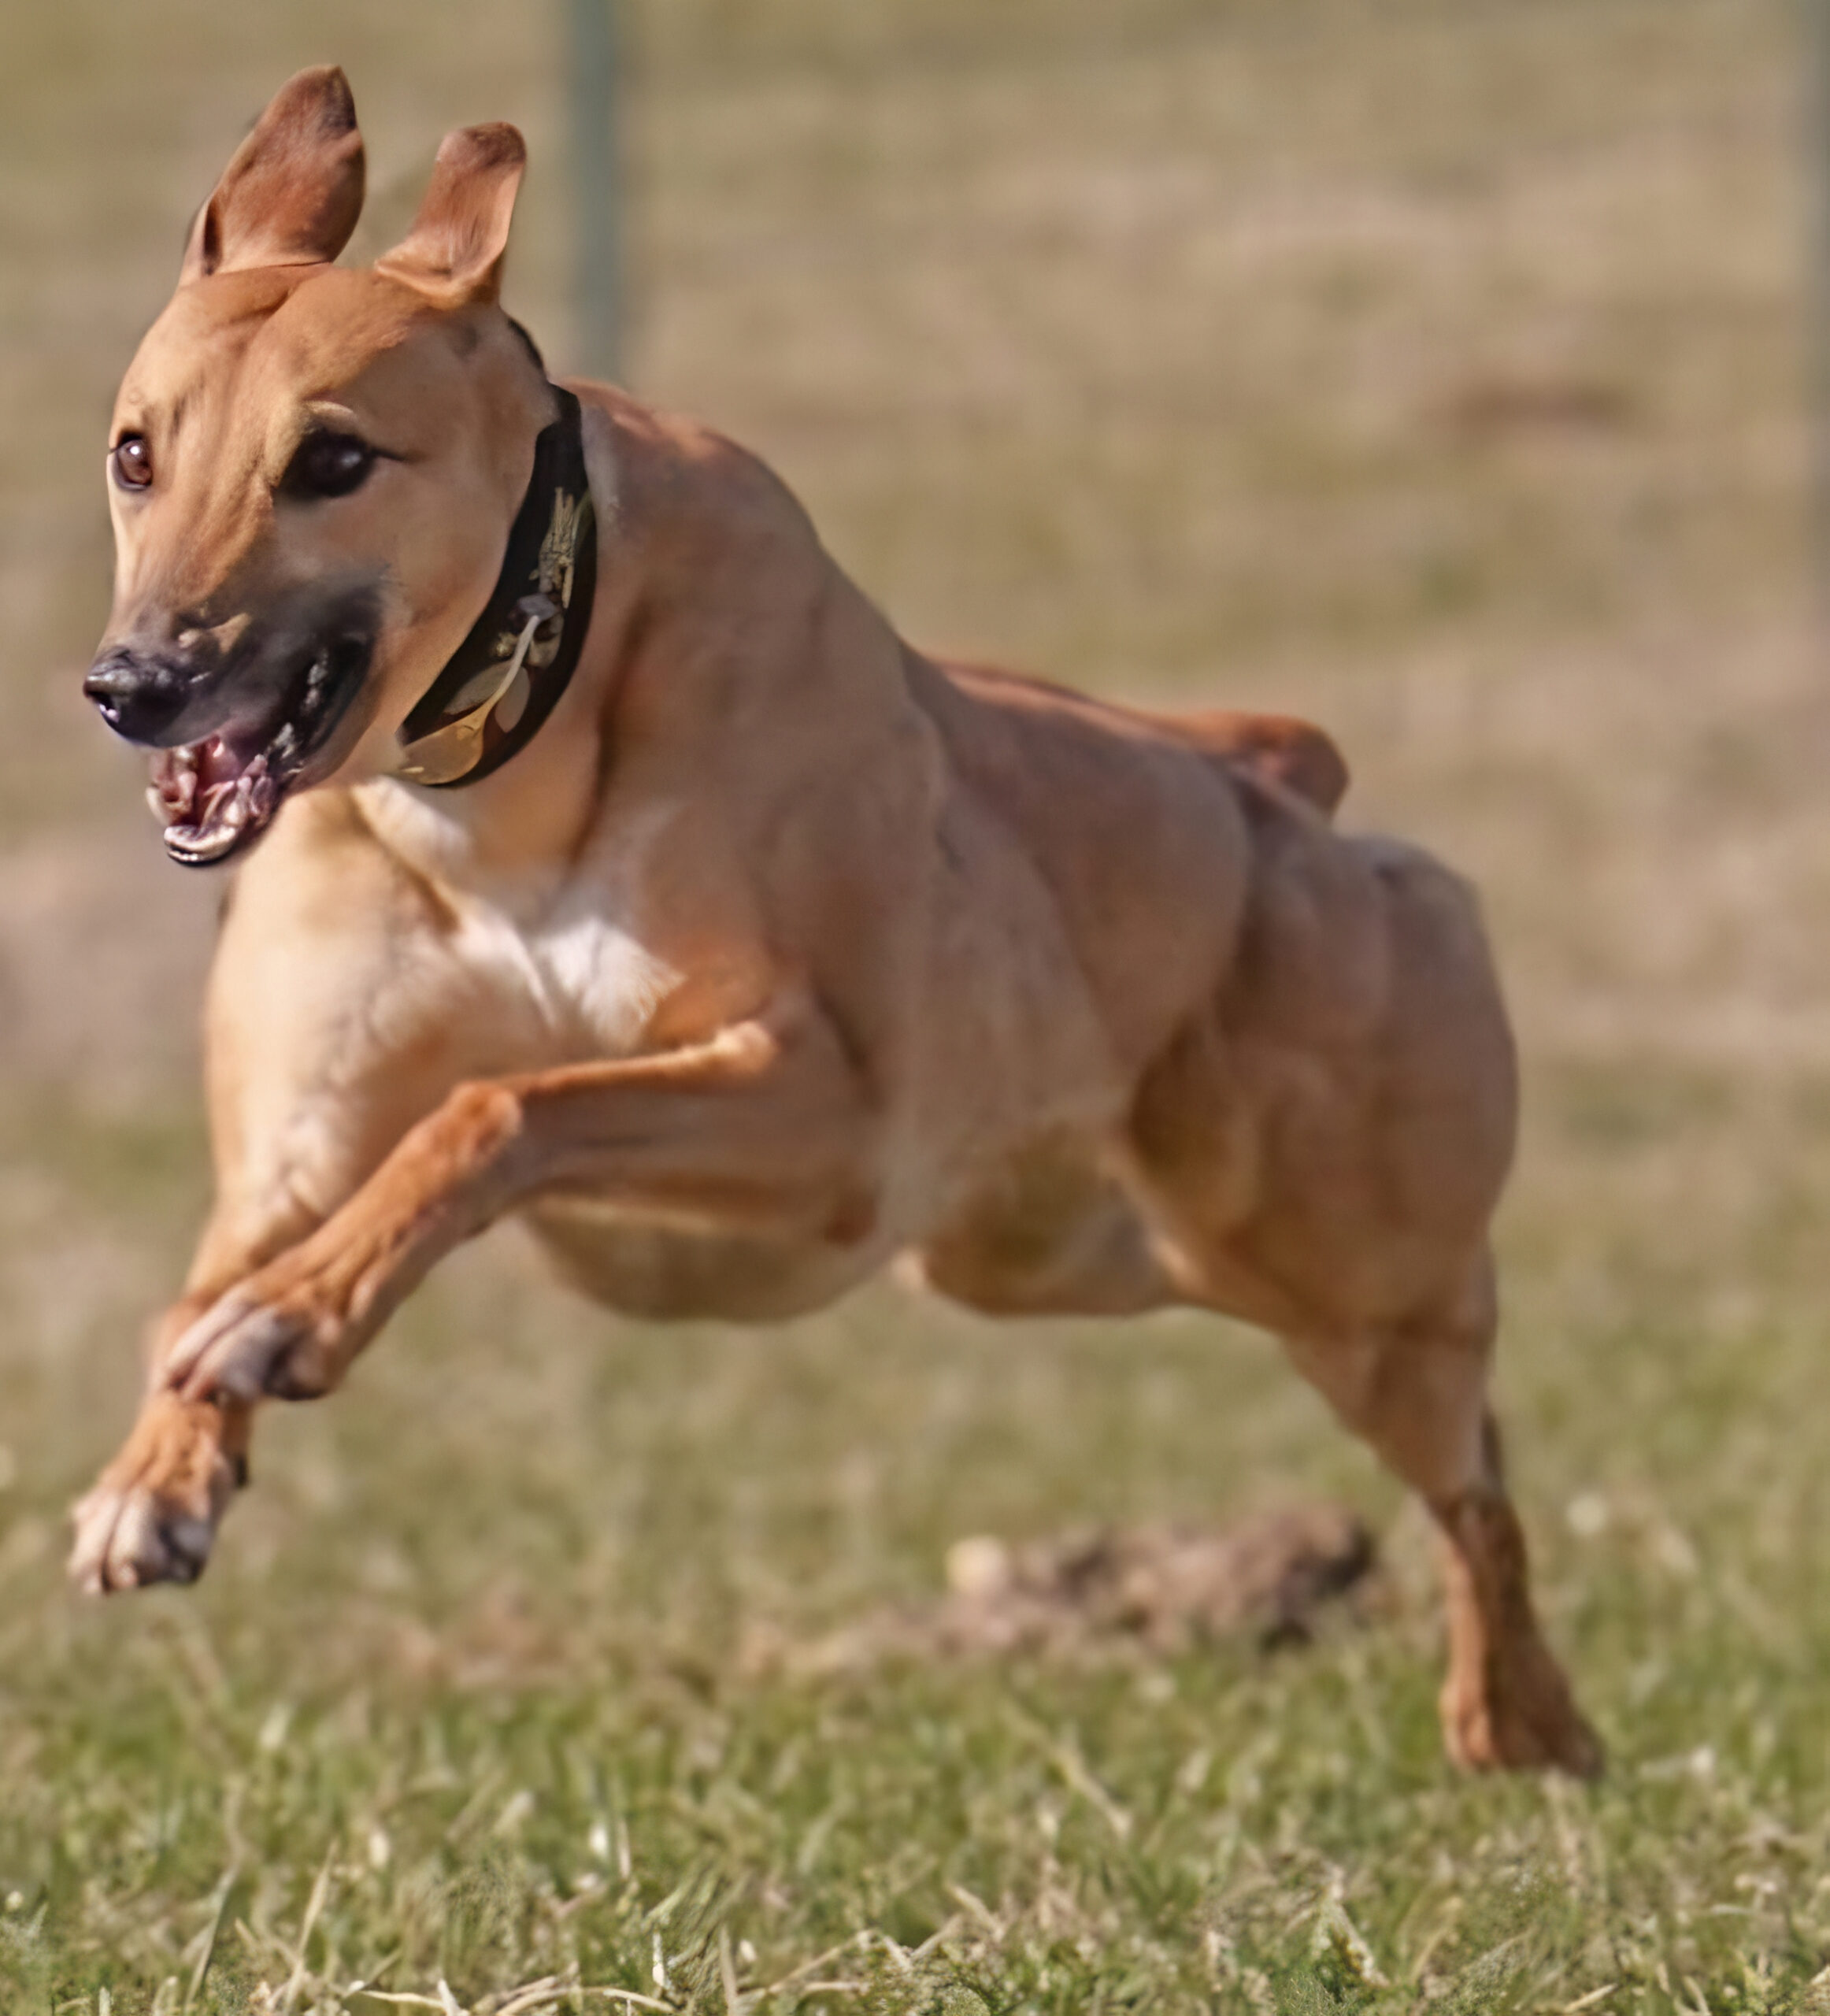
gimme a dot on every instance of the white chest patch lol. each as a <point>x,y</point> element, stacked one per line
<point>596,986</point>
<point>559,952</point>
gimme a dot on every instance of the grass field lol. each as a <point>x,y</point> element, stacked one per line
<point>1438,371</point>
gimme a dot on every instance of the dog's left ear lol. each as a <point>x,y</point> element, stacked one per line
<point>291,195</point>
<point>454,251</point>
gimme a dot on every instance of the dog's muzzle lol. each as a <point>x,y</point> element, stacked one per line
<point>235,730</point>
<point>140,696</point>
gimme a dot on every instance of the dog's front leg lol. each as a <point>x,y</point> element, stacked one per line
<point>339,1016</point>
<point>153,1513</point>
<point>764,1128</point>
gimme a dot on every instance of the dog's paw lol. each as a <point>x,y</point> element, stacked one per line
<point>1532,1724</point>
<point>129,1538</point>
<point>259,1341</point>
<point>152,1514</point>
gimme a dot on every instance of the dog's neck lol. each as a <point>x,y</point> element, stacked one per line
<point>513,839</point>
<point>677,508</point>
<point>513,826</point>
<point>496,690</point>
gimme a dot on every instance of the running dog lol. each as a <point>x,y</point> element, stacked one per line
<point>618,868</point>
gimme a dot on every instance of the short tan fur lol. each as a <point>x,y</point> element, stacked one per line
<point>783,953</point>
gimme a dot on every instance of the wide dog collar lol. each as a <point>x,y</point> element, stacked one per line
<point>506,676</point>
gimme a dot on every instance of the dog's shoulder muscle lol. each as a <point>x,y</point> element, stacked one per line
<point>336,1016</point>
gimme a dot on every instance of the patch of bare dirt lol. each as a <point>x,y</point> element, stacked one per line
<point>1153,1589</point>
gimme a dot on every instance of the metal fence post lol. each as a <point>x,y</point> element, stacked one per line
<point>591,52</point>
<point>1815,26</point>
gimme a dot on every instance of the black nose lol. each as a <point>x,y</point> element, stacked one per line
<point>139,698</point>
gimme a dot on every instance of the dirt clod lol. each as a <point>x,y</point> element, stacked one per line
<point>1158,1589</point>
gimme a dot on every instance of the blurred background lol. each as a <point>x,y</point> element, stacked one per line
<point>1439,370</point>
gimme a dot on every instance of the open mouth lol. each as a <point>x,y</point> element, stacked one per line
<point>215,796</point>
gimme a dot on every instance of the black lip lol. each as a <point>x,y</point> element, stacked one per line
<point>348,658</point>
<point>159,694</point>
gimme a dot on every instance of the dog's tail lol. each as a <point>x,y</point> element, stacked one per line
<point>1293,753</point>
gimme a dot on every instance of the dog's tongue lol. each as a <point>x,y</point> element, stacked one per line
<point>209,799</point>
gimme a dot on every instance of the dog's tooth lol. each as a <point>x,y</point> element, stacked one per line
<point>171,791</point>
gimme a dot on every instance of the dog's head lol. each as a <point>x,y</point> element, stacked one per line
<point>311,471</point>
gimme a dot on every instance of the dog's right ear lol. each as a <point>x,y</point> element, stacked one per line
<point>291,195</point>
<point>454,251</point>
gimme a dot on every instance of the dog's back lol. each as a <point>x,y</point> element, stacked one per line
<point>1291,753</point>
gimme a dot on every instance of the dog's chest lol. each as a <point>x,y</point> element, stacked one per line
<point>576,973</point>
<point>554,956</point>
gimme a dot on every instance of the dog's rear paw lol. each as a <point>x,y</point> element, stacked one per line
<point>1532,1723</point>
<point>152,1514</point>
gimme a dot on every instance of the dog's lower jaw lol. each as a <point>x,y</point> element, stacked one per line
<point>216,796</point>
<point>207,816</point>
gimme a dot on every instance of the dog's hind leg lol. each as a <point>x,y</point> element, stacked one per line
<point>1417,1393</point>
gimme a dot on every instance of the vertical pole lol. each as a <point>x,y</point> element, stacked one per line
<point>1816,28</point>
<point>597,304</point>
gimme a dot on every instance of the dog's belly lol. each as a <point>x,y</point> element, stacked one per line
<point>1050,1231</point>
<point>655,1271</point>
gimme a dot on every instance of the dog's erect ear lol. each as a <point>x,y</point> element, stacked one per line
<point>454,251</point>
<point>291,195</point>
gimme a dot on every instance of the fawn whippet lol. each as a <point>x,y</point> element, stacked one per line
<point>620,869</point>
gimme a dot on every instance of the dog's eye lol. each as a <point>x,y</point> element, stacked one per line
<point>328,465</point>
<point>132,460</point>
